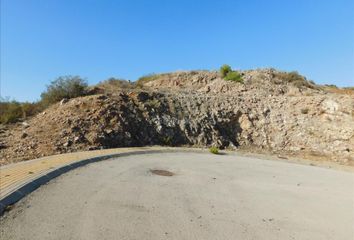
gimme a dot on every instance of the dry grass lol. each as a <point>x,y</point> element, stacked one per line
<point>113,84</point>
<point>293,78</point>
<point>147,78</point>
<point>334,89</point>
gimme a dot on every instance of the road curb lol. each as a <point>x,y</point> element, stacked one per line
<point>33,184</point>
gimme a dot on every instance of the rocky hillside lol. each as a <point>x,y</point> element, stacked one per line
<point>270,111</point>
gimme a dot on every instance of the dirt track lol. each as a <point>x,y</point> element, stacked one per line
<point>202,196</point>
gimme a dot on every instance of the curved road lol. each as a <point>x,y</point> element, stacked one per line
<point>207,197</point>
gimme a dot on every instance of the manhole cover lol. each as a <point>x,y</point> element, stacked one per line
<point>162,172</point>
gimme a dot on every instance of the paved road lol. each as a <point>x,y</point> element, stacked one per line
<point>208,197</point>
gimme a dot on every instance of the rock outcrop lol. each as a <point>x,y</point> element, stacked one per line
<point>196,108</point>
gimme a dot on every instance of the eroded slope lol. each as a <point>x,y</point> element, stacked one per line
<point>266,112</point>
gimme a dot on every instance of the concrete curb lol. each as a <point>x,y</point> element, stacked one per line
<point>33,184</point>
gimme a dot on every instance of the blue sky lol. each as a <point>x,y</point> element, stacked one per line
<point>98,39</point>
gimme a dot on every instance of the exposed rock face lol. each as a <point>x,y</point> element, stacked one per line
<point>195,108</point>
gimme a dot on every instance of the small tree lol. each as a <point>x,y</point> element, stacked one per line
<point>224,70</point>
<point>64,87</point>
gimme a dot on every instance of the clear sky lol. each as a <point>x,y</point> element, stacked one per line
<point>97,39</point>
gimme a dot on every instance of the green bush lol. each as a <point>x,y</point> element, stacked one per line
<point>214,150</point>
<point>228,74</point>
<point>234,76</point>
<point>64,87</point>
<point>224,70</point>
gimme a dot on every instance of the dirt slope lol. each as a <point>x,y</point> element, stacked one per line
<point>270,111</point>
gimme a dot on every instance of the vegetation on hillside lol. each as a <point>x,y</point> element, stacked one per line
<point>293,78</point>
<point>74,86</point>
<point>234,76</point>
<point>224,70</point>
<point>349,88</point>
<point>64,87</point>
<point>112,84</point>
<point>146,78</point>
<point>228,74</point>
<point>12,111</point>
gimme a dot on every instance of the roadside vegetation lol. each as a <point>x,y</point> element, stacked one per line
<point>228,74</point>
<point>214,150</point>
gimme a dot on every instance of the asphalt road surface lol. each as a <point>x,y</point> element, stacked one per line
<point>207,197</point>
